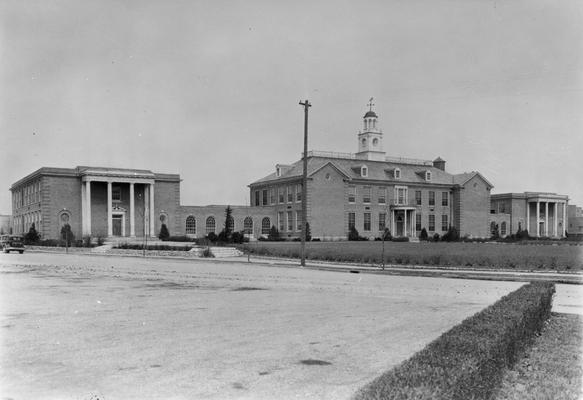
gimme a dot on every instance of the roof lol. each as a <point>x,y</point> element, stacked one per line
<point>462,179</point>
<point>377,171</point>
<point>370,114</point>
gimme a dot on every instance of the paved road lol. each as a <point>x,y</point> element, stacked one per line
<point>76,326</point>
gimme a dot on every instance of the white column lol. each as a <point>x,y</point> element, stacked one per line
<point>152,220</point>
<point>109,210</point>
<point>528,217</point>
<point>414,224</point>
<point>132,211</point>
<point>564,219</point>
<point>83,211</point>
<point>556,219</point>
<point>88,206</point>
<point>405,231</point>
<point>393,222</point>
<point>546,218</point>
<point>537,218</point>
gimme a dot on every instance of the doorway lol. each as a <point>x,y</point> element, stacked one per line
<point>116,224</point>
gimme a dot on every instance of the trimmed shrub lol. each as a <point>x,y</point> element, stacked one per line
<point>164,234</point>
<point>32,236</point>
<point>468,361</point>
<point>423,235</point>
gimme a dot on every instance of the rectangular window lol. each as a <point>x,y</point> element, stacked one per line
<point>280,194</point>
<point>382,195</point>
<point>431,198</point>
<point>116,193</point>
<point>290,221</point>
<point>366,194</point>
<point>298,221</point>
<point>299,192</point>
<point>444,225</point>
<point>417,222</point>
<point>418,197</point>
<point>264,197</point>
<point>351,194</point>
<point>366,225</point>
<point>351,220</point>
<point>444,198</point>
<point>256,198</point>
<point>290,194</point>
<point>431,223</point>
<point>272,196</point>
<point>280,221</point>
<point>401,195</point>
<point>382,222</point>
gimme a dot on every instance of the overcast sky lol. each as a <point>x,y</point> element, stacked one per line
<point>210,89</point>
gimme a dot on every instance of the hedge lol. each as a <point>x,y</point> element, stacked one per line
<point>468,361</point>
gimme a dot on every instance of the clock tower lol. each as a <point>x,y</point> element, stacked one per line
<point>370,139</point>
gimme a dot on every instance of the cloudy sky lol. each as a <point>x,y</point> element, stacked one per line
<point>210,89</point>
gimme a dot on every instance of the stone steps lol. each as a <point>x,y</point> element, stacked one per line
<point>220,252</point>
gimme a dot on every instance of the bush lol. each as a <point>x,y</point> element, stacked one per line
<point>354,235</point>
<point>180,239</point>
<point>32,236</point>
<point>67,236</point>
<point>436,237</point>
<point>273,234</point>
<point>452,235</point>
<point>164,234</point>
<point>423,235</point>
<point>212,237</point>
<point>238,238</point>
<point>468,361</point>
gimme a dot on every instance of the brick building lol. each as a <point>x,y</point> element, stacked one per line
<point>541,214</point>
<point>371,192</point>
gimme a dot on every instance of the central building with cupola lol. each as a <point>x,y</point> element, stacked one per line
<point>371,191</point>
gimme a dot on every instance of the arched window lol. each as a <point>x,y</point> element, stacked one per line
<point>248,225</point>
<point>503,228</point>
<point>492,227</point>
<point>210,225</point>
<point>265,226</point>
<point>190,225</point>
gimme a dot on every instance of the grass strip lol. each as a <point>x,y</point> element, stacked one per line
<point>468,361</point>
<point>553,367</point>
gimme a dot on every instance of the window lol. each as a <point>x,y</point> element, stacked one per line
<point>190,225</point>
<point>351,220</point>
<point>503,228</point>
<point>278,171</point>
<point>256,198</point>
<point>444,198</point>
<point>417,222</point>
<point>299,192</point>
<point>290,194</point>
<point>400,195</point>
<point>280,194</point>
<point>428,175</point>
<point>444,223</point>
<point>397,173</point>
<point>264,193</point>
<point>431,198</point>
<point>116,193</point>
<point>290,221</point>
<point>248,225</point>
<point>298,221</point>
<point>210,225</point>
<point>366,194</point>
<point>366,225</point>
<point>351,194</point>
<point>364,171</point>
<point>265,226</point>
<point>492,228</point>
<point>382,195</point>
<point>431,222</point>
<point>418,197</point>
<point>382,222</point>
<point>272,196</point>
<point>280,221</point>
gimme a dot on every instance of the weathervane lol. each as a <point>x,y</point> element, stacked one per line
<point>370,104</point>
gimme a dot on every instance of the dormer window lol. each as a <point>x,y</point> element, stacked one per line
<point>364,171</point>
<point>428,176</point>
<point>278,171</point>
<point>397,173</point>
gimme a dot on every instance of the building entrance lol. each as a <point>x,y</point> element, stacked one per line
<point>116,222</point>
<point>400,225</point>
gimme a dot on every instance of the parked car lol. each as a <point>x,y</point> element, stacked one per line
<point>10,243</point>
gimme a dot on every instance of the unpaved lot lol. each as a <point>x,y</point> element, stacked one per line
<point>87,327</point>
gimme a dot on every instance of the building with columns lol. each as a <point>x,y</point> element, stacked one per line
<point>94,201</point>
<point>541,214</point>
<point>371,191</point>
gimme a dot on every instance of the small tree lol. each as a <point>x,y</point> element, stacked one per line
<point>308,232</point>
<point>226,234</point>
<point>32,236</point>
<point>423,235</point>
<point>452,235</point>
<point>273,234</point>
<point>387,234</point>
<point>164,234</point>
<point>353,234</point>
<point>67,235</point>
<point>495,233</point>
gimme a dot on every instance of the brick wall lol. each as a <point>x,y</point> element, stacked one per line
<point>474,208</point>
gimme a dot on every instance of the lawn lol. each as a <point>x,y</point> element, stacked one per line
<point>512,256</point>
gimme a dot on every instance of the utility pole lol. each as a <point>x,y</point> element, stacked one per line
<point>306,105</point>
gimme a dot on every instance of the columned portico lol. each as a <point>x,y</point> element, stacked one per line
<point>547,217</point>
<point>403,221</point>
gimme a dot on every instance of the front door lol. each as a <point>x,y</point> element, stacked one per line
<point>400,224</point>
<point>116,225</point>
